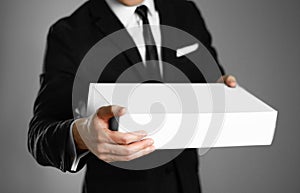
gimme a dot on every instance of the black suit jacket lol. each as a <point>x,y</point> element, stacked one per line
<point>68,41</point>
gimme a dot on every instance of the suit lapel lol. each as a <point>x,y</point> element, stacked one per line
<point>172,23</point>
<point>168,20</point>
<point>108,23</point>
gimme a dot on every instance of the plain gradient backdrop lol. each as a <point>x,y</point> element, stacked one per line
<point>257,41</point>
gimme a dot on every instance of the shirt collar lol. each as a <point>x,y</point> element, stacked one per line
<point>124,13</point>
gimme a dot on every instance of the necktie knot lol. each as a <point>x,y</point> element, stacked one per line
<point>142,13</point>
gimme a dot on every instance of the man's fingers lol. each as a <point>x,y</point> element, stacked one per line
<point>229,80</point>
<point>126,138</point>
<point>112,158</point>
<point>126,150</point>
<point>107,112</point>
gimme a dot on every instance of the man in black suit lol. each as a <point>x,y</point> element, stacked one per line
<point>58,139</point>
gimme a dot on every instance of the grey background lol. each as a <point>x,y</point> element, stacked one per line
<point>258,41</point>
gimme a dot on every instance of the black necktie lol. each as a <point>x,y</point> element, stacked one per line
<point>152,64</point>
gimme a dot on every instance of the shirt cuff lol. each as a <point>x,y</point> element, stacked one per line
<point>74,155</point>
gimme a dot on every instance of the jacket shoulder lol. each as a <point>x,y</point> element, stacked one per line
<point>183,5</point>
<point>78,19</point>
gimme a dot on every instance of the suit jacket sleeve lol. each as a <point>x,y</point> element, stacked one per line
<point>49,128</point>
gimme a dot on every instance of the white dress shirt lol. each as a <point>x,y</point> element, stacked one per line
<point>134,25</point>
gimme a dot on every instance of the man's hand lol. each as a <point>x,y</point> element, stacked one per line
<point>229,80</point>
<point>92,134</point>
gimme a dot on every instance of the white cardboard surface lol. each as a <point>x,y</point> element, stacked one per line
<point>245,120</point>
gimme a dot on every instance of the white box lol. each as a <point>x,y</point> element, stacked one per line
<point>192,115</point>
